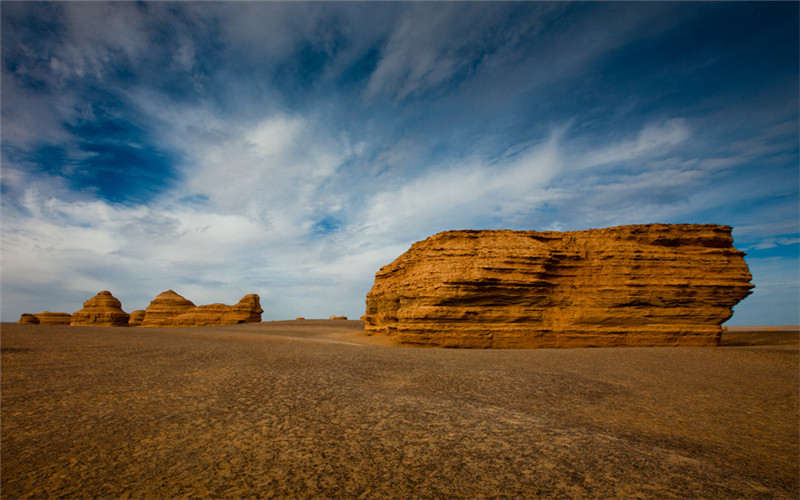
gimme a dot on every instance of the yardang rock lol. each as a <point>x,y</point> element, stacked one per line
<point>28,319</point>
<point>101,310</point>
<point>164,308</point>
<point>53,318</point>
<point>640,285</point>
<point>136,318</point>
<point>169,309</point>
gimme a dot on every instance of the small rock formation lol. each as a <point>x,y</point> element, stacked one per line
<point>299,318</point>
<point>101,310</point>
<point>28,319</point>
<point>338,317</point>
<point>169,309</point>
<point>136,318</point>
<point>53,318</point>
<point>641,285</point>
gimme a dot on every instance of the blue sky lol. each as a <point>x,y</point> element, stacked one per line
<point>291,149</point>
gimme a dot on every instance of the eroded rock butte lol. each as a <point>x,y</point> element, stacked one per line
<point>101,310</point>
<point>169,309</point>
<point>28,319</point>
<point>53,318</point>
<point>640,285</point>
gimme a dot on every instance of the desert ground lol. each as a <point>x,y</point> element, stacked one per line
<point>316,409</point>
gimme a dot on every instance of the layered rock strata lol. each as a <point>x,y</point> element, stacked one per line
<point>164,308</point>
<point>169,309</point>
<point>28,319</point>
<point>101,310</point>
<point>641,285</point>
<point>136,318</point>
<point>53,318</point>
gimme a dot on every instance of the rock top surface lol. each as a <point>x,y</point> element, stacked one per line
<point>101,310</point>
<point>169,309</point>
<point>639,285</point>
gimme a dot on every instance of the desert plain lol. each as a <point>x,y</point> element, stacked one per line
<point>317,409</point>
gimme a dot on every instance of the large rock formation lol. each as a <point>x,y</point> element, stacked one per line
<point>642,285</point>
<point>53,318</point>
<point>171,310</point>
<point>101,310</point>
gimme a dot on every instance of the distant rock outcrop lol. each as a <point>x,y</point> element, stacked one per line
<point>169,309</point>
<point>101,310</point>
<point>338,317</point>
<point>642,285</point>
<point>136,318</point>
<point>53,318</point>
<point>28,319</point>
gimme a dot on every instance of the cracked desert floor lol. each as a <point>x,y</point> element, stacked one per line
<point>316,409</point>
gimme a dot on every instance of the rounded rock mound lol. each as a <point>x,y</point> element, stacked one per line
<point>101,310</point>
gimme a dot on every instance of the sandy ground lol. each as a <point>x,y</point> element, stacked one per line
<point>314,408</point>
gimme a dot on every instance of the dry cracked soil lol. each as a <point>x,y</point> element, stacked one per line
<point>316,409</point>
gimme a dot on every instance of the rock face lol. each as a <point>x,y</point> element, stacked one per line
<point>641,285</point>
<point>53,318</point>
<point>101,310</point>
<point>136,318</point>
<point>171,310</point>
<point>28,319</point>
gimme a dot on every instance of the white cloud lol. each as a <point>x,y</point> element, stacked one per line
<point>459,195</point>
<point>652,140</point>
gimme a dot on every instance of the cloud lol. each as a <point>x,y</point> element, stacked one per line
<point>465,194</point>
<point>652,140</point>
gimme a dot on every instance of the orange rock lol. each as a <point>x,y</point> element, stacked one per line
<point>642,285</point>
<point>136,318</point>
<point>101,310</point>
<point>53,318</point>
<point>164,308</point>
<point>28,319</point>
<point>338,317</point>
<point>171,310</point>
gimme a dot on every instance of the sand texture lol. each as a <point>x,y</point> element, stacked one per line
<point>315,408</point>
<point>640,285</point>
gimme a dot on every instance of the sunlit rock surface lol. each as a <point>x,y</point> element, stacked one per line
<point>640,285</point>
<point>101,310</point>
<point>53,318</point>
<point>169,309</point>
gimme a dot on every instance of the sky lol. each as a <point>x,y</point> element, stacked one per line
<point>292,149</point>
